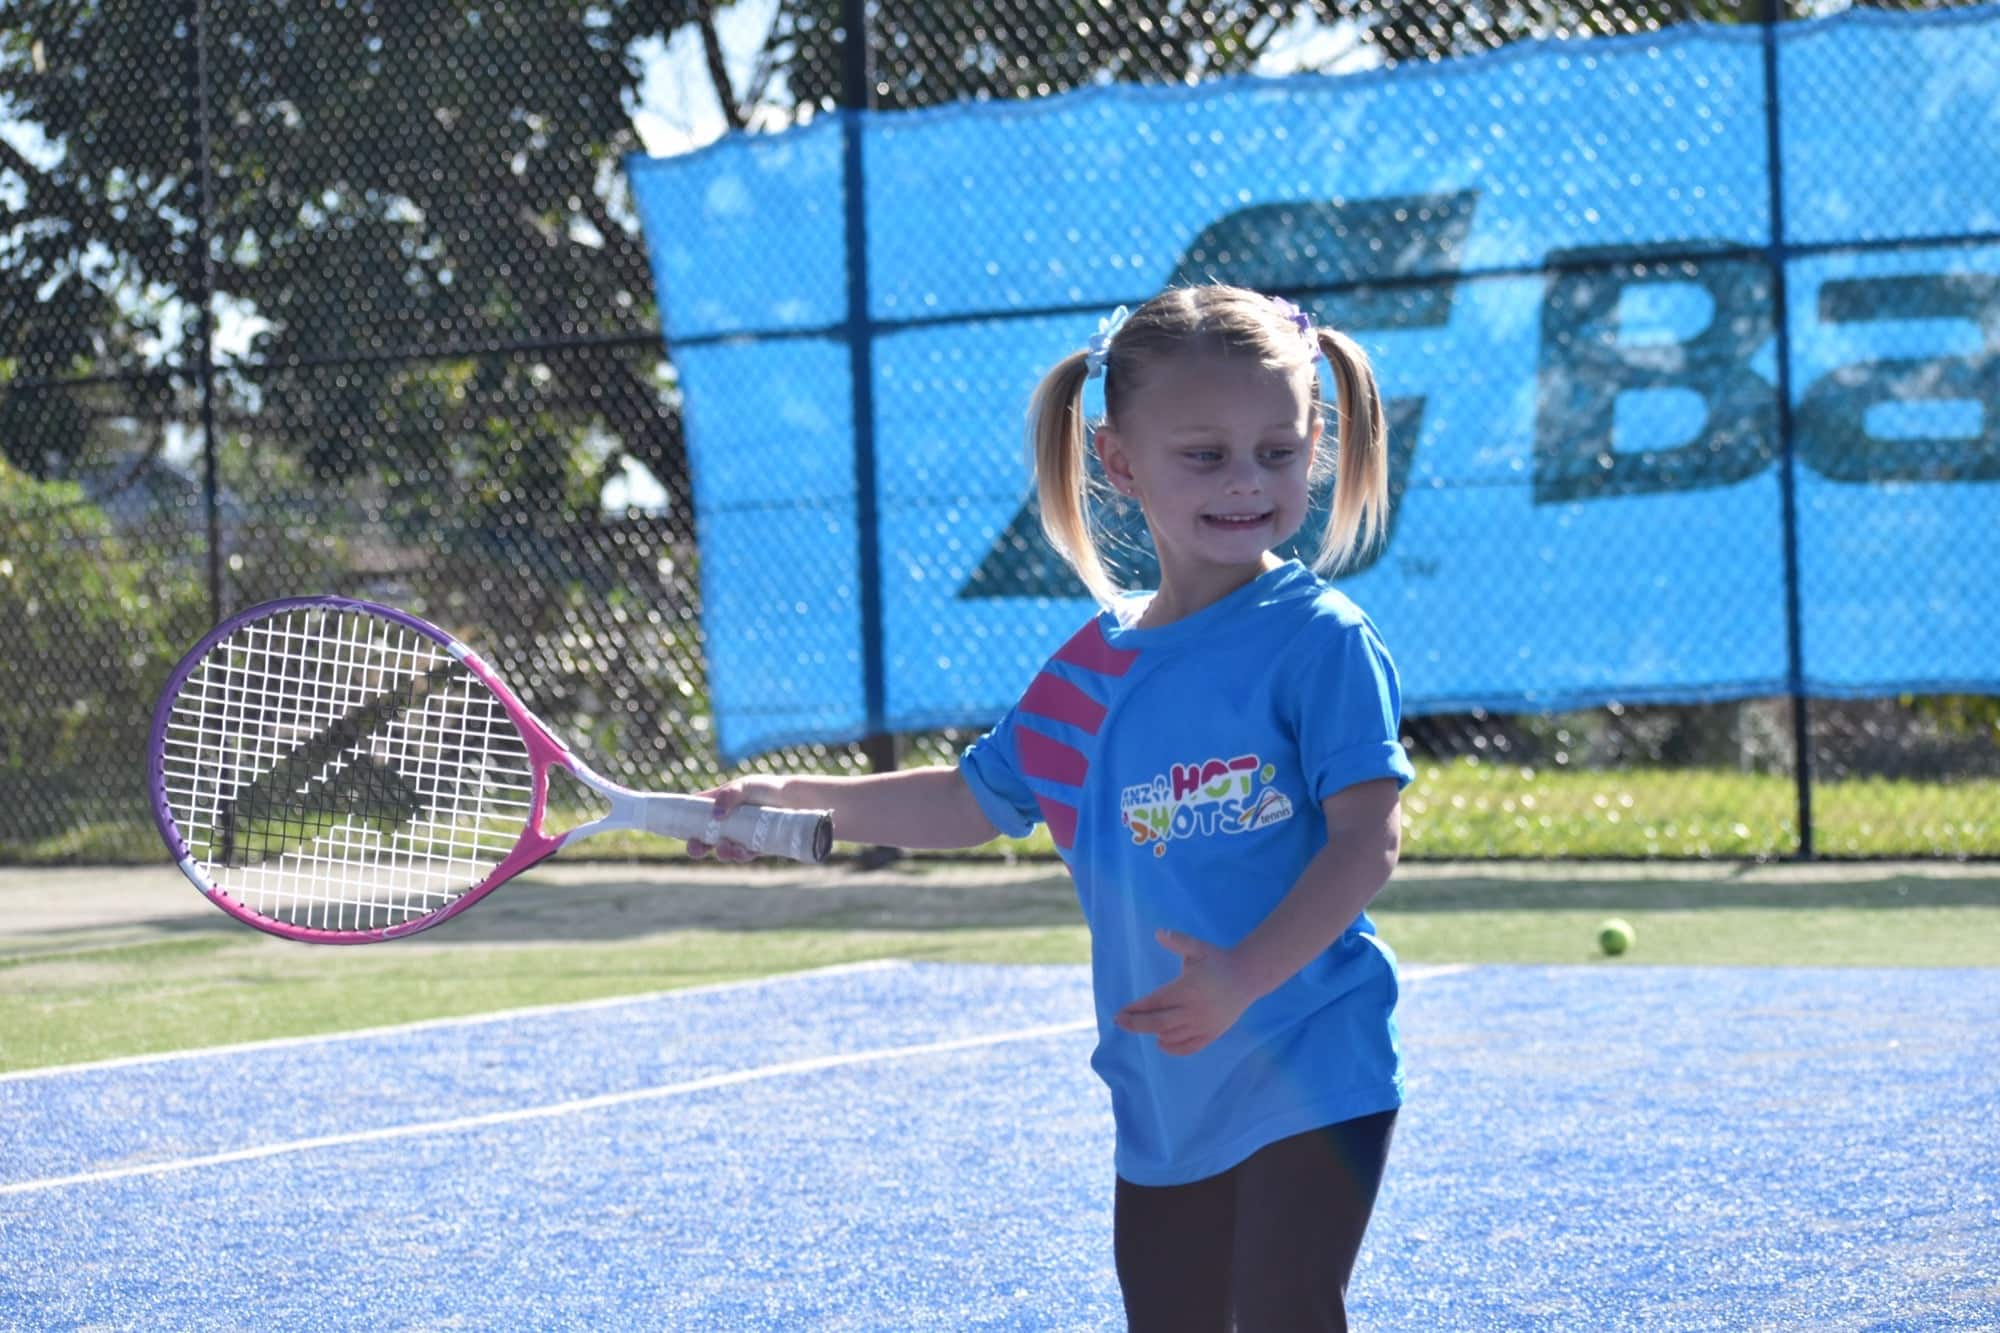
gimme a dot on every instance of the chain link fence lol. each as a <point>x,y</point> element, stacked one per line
<point>350,297</point>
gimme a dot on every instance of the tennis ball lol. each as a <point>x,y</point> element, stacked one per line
<point>1615,936</point>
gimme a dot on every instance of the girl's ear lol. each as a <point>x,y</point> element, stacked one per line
<point>1111,453</point>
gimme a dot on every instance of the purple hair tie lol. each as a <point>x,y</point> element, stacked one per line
<point>1300,319</point>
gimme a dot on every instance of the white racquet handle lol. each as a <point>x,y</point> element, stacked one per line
<point>802,835</point>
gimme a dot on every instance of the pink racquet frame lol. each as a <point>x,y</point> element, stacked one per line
<point>803,835</point>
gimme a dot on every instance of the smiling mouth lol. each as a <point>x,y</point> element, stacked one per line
<point>1237,520</point>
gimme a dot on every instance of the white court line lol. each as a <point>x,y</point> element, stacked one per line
<point>1408,974</point>
<point>732,1079</point>
<point>557,1109</point>
<point>457,1020</point>
<point>1430,971</point>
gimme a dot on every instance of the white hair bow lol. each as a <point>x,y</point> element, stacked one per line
<point>1100,342</point>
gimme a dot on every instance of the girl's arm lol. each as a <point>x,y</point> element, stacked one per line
<point>916,808</point>
<point>1364,838</point>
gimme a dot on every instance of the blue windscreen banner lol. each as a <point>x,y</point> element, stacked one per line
<point>1691,344</point>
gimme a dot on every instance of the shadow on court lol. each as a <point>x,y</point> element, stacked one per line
<point>587,902</point>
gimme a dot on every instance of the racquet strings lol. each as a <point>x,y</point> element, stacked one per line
<point>336,770</point>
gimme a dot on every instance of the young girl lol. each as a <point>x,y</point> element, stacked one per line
<point>1218,763</point>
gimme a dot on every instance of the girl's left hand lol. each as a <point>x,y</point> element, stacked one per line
<point>1196,1007</point>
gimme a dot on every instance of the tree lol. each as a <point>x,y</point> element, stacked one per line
<point>419,204</point>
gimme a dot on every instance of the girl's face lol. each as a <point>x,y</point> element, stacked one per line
<point>1217,450</point>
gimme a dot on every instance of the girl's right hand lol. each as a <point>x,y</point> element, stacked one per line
<point>743,791</point>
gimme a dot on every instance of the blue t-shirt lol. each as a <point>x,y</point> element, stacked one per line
<point>1180,771</point>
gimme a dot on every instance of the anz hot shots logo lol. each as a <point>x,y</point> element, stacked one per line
<point>1209,798</point>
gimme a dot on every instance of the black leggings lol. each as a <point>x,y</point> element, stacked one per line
<point>1271,1241</point>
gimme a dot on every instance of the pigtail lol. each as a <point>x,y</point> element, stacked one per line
<point>1361,466</point>
<point>1062,473</point>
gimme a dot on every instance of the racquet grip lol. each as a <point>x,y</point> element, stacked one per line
<point>802,835</point>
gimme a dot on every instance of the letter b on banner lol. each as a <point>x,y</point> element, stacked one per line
<point>1665,345</point>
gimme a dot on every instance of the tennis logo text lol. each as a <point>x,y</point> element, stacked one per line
<point>1654,374</point>
<point>1202,800</point>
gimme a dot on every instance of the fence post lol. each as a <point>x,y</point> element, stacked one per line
<point>1787,454</point>
<point>857,94</point>
<point>201,278</point>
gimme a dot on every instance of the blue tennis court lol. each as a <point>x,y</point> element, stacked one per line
<point>907,1146</point>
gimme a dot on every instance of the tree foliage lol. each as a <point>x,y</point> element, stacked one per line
<point>93,623</point>
<point>416,204</point>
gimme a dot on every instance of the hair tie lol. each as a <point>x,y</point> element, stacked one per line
<point>1300,320</point>
<point>1100,342</point>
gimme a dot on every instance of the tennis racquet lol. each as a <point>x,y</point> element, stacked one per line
<point>340,772</point>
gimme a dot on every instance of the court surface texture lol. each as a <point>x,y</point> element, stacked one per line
<point>919,1146</point>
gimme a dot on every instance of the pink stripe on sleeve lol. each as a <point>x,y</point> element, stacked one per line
<point>1061,820</point>
<point>1054,698</point>
<point>1043,757</point>
<point>1087,649</point>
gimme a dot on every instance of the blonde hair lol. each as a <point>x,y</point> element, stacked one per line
<point>1217,318</point>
